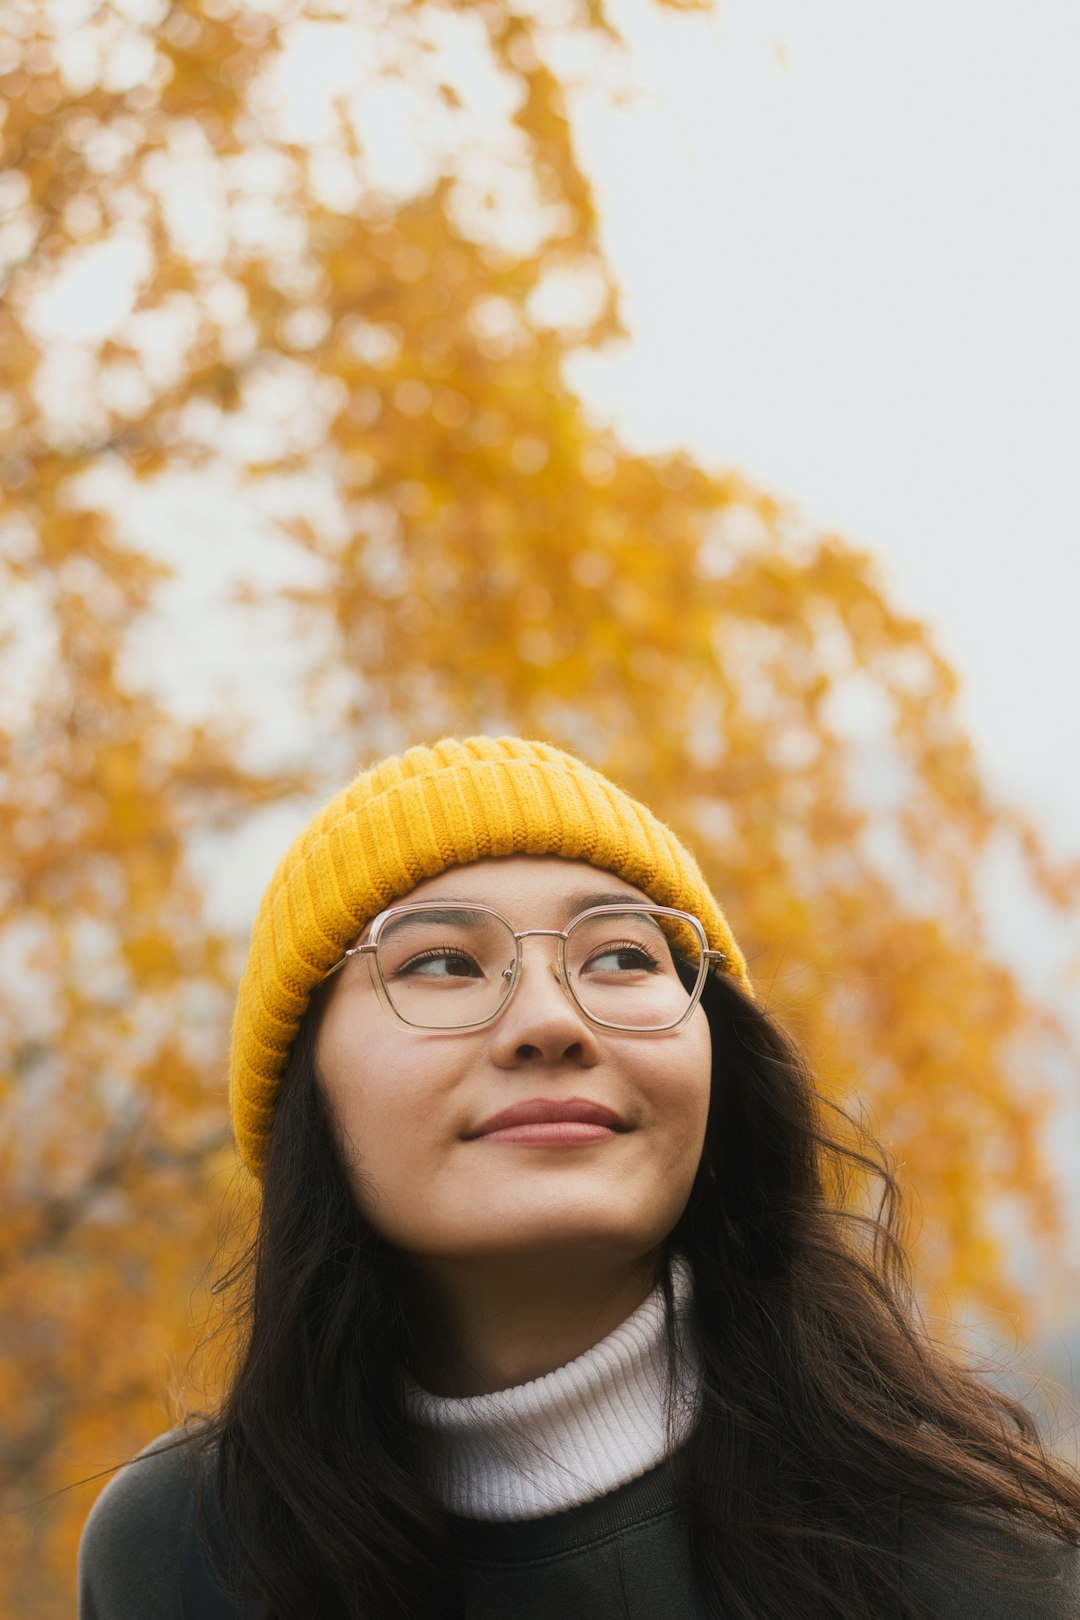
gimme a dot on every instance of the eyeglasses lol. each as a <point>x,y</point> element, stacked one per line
<point>456,966</point>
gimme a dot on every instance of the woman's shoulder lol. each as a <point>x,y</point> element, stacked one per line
<point>968,1563</point>
<point>132,1543</point>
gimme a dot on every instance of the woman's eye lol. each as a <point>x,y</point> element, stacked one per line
<point>441,964</point>
<point>622,959</point>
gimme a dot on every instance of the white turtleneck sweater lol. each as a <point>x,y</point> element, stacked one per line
<point>572,1435</point>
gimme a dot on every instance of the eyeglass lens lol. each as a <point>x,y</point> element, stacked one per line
<point>444,968</point>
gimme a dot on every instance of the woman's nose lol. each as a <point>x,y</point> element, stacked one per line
<point>542,1023</point>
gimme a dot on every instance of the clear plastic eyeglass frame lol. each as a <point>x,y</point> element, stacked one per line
<point>370,948</point>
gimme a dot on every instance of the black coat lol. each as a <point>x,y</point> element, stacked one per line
<point>623,1556</point>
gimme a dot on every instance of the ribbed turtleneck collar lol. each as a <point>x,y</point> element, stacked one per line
<point>572,1435</point>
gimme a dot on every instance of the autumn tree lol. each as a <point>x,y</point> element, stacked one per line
<point>313,271</point>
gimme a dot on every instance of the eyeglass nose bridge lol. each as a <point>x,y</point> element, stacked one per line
<point>510,973</point>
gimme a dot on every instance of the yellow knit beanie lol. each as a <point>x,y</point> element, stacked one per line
<point>411,817</point>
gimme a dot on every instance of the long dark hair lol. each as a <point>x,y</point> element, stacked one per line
<point>826,1410</point>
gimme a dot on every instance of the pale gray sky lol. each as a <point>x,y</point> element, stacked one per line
<point>848,236</point>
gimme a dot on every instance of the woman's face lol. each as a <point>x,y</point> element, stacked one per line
<point>409,1102</point>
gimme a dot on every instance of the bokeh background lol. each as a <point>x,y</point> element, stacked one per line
<point>691,385</point>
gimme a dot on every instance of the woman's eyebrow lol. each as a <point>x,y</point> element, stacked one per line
<point>603,897</point>
<point>574,904</point>
<point>444,912</point>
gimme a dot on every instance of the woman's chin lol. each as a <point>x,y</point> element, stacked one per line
<point>521,1238</point>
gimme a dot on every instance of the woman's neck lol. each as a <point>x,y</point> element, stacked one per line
<point>503,1321</point>
<point>577,1432</point>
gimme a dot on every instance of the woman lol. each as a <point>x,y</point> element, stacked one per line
<point>552,1309</point>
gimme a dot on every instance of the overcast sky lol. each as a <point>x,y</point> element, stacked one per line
<point>848,236</point>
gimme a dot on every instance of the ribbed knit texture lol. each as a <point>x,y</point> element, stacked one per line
<point>409,818</point>
<point>573,1435</point>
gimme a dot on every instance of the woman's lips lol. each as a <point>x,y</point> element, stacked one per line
<point>550,1121</point>
<point>553,1133</point>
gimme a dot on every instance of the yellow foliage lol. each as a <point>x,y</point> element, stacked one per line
<point>377,373</point>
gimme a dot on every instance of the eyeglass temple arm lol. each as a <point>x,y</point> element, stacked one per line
<point>354,950</point>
